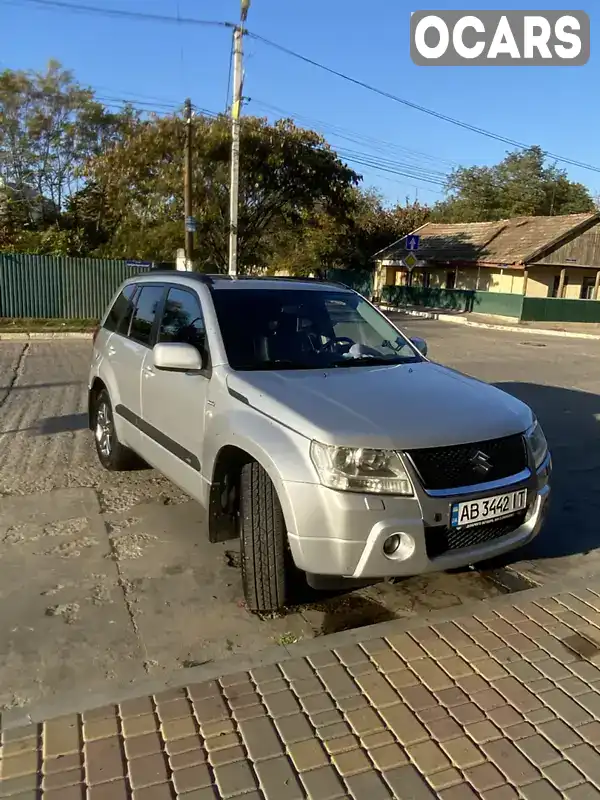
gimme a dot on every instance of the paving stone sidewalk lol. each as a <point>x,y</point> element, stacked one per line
<point>501,704</point>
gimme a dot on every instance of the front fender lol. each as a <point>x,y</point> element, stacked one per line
<point>283,453</point>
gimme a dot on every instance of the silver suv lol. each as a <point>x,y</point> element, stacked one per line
<point>310,427</point>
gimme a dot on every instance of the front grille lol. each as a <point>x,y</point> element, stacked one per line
<point>440,539</point>
<point>461,465</point>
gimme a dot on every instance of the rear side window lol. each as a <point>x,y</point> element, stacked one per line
<point>120,313</point>
<point>146,308</point>
<point>182,320</point>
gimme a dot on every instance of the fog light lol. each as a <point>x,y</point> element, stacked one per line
<point>399,546</point>
<point>391,544</point>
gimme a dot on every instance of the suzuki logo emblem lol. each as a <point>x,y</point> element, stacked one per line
<point>481,462</point>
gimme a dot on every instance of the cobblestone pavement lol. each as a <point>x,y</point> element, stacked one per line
<point>501,704</point>
<point>121,583</point>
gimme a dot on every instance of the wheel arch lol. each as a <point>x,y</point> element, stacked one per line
<point>97,386</point>
<point>223,504</point>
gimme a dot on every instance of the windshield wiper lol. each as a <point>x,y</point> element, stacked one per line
<point>372,361</point>
<point>281,363</point>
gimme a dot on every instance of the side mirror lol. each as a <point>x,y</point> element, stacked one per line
<point>420,344</point>
<point>177,357</point>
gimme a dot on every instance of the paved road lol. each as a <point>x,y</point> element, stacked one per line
<point>107,577</point>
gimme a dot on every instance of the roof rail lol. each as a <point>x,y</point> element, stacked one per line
<point>212,278</point>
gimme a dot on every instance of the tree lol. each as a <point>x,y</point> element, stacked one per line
<point>287,174</point>
<point>325,242</point>
<point>49,127</point>
<point>520,185</point>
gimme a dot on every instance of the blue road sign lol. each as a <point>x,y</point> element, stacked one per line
<point>413,242</point>
<point>190,224</point>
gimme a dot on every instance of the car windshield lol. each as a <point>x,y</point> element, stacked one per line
<point>280,329</point>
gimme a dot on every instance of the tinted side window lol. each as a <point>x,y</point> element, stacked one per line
<point>182,320</point>
<point>148,301</point>
<point>120,312</point>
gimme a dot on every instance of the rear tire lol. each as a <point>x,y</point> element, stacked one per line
<point>263,541</point>
<point>113,455</point>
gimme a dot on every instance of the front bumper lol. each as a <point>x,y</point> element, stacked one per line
<point>343,533</point>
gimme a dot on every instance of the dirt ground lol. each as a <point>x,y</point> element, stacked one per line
<point>107,577</point>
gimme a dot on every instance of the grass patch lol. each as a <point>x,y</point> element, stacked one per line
<point>287,638</point>
<point>25,325</point>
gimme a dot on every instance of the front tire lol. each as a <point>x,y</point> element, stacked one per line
<point>263,541</point>
<point>112,454</point>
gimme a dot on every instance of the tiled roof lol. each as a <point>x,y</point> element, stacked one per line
<point>511,241</point>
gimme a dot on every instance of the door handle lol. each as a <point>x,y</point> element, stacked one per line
<point>148,373</point>
<point>111,351</point>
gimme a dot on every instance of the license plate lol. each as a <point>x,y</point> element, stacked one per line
<point>476,512</point>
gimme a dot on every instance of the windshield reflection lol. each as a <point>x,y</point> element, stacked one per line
<point>285,329</point>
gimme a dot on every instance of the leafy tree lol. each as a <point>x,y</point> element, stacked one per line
<point>49,127</point>
<point>325,242</point>
<point>520,185</point>
<point>286,174</point>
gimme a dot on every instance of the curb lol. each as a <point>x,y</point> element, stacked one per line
<point>489,326</point>
<point>42,337</point>
<point>81,701</point>
<point>517,329</point>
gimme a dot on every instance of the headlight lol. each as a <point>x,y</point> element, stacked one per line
<point>537,443</point>
<point>360,470</point>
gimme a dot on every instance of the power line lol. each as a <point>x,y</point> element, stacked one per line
<point>352,157</point>
<point>122,14</point>
<point>59,4</point>
<point>357,138</point>
<point>387,166</point>
<point>146,106</point>
<point>415,106</point>
<point>136,97</point>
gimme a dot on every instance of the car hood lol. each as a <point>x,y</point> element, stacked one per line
<point>401,406</point>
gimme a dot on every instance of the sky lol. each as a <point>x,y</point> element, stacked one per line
<point>160,64</point>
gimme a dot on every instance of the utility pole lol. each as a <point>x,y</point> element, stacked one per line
<point>187,186</point>
<point>236,109</point>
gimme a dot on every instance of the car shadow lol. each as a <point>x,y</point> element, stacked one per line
<point>49,426</point>
<point>571,422</point>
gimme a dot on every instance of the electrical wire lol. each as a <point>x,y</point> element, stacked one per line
<point>123,14</point>
<point>120,13</point>
<point>352,157</point>
<point>357,138</point>
<point>416,106</point>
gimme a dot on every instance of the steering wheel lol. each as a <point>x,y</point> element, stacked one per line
<point>344,341</point>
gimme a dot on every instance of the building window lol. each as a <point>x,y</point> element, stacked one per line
<point>451,279</point>
<point>587,288</point>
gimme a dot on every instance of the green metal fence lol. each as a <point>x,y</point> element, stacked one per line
<point>447,299</point>
<point>48,287</point>
<point>526,309</point>
<point>500,303</point>
<point>550,309</point>
<point>508,305</point>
